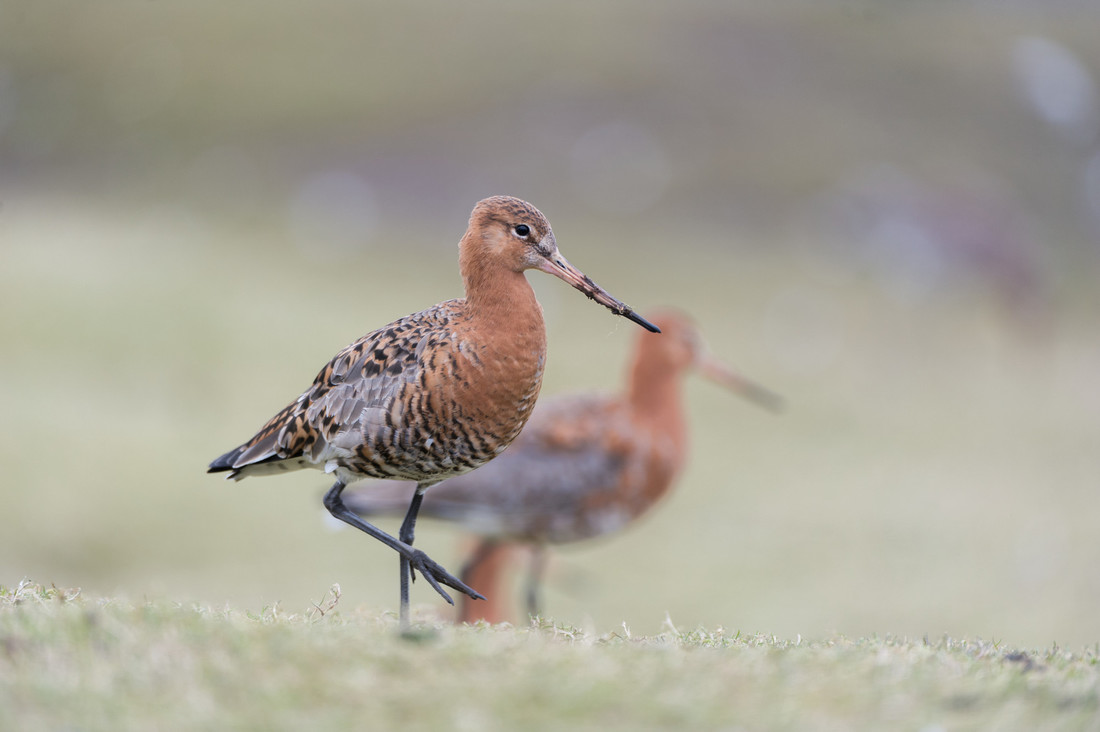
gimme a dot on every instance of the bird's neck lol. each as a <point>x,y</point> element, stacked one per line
<point>499,296</point>
<point>655,397</point>
<point>506,337</point>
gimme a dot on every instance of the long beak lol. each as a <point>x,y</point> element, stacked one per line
<point>713,369</point>
<point>559,266</point>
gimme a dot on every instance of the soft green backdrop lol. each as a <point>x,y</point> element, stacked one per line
<point>888,212</point>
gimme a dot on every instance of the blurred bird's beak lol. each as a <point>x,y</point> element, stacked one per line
<point>554,263</point>
<point>716,371</point>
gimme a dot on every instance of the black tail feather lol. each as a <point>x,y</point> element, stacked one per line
<point>225,462</point>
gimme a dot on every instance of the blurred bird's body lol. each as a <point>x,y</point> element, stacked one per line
<point>432,395</point>
<point>584,466</point>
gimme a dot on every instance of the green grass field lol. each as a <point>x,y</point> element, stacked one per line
<point>68,661</point>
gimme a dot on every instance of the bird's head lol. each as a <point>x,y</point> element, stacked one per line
<point>517,236</point>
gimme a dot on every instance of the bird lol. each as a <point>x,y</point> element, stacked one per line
<point>432,395</point>
<point>586,465</point>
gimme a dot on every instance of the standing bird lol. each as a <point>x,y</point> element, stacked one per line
<point>586,465</point>
<point>434,394</point>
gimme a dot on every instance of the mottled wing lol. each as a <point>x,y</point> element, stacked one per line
<point>571,452</point>
<point>352,408</point>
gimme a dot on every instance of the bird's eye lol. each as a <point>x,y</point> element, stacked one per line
<point>521,229</point>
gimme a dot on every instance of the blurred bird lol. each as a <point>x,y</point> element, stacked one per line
<point>584,466</point>
<point>434,394</point>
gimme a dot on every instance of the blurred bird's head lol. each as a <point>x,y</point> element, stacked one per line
<point>681,348</point>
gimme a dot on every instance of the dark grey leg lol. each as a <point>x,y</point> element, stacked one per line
<point>418,560</point>
<point>406,535</point>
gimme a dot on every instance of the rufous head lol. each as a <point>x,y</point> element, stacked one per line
<point>516,235</point>
<point>681,348</point>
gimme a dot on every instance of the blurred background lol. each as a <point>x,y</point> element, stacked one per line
<point>888,212</point>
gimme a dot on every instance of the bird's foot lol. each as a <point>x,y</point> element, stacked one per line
<point>436,575</point>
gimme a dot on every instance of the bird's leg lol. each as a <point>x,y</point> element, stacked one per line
<point>482,551</point>
<point>418,560</point>
<point>406,535</point>
<point>534,579</point>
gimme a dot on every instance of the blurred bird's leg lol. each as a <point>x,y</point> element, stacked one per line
<point>534,578</point>
<point>475,567</point>
<point>417,560</point>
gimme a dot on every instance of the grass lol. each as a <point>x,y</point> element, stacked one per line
<point>68,661</point>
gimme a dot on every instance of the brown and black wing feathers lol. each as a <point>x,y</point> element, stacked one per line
<point>354,401</point>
